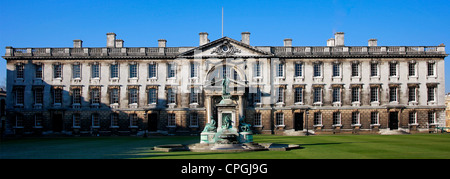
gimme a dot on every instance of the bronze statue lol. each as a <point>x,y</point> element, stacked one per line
<point>244,126</point>
<point>210,127</point>
<point>226,121</point>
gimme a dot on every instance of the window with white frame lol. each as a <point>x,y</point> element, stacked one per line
<point>355,118</point>
<point>355,94</point>
<point>411,69</point>
<point>298,69</point>
<point>95,70</point>
<point>76,71</point>
<point>133,96</point>
<point>280,70</point>
<point>412,117</point>
<point>412,97</point>
<point>431,69</point>
<point>57,71</point>
<point>95,120</point>
<point>431,117</point>
<point>57,95</point>
<point>133,70</point>
<point>317,69</point>
<point>171,96</point>
<point>336,69</point>
<point>298,96</point>
<point>194,96</point>
<point>374,118</point>
<point>336,118</point>
<point>114,119</point>
<point>257,71</point>
<point>393,94</point>
<point>152,70</point>
<point>257,95</point>
<point>76,118</point>
<point>95,96</point>
<point>114,96</point>
<point>20,70</point>
<point>114,71</point>
<point>373,94</point>
<point>431,93</point>
<point>336,94</point>
<point>392,69</point>
<point>133,120</point>
<point>19,93</point>
<point>171,70</point>
<point>38,117</point>
<point>279,119</point>
<point>171,120</point>
<point>280,95</point>
<point>38,95</point>
<point>317,95</point>
<point>257,120</point>
<point>373,69</point>
<point>355,69</point>
<point>38,71</point>
<point>194,70</point>
<point>317,118</point>
<point>76,96</point>
<point>193,122</point>
<point>152,96</point>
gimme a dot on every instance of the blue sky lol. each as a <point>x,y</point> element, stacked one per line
<point>55,23</point>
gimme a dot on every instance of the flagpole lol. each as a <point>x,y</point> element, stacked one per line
<point>222,21</point>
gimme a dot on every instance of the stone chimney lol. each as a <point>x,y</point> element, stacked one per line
<point>245,38</point>
<point>162,42</point>
<point>111,40</point>
<point>288,42</point>
<point>203,38</point>
<point>77,43</point>
<point>330,42</point>
<point>372,42</point>
<point>119,43</point>
<point>339,39</point>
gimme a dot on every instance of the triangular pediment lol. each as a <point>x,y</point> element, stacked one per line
<point>225,47</point>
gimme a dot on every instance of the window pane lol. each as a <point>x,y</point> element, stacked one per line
<point>115,71</point>
<point>38,71</point>
<point>392,69</point>
<point>336,69</point>
<point>76,71</point>
<point>317,71</point>
<point>152,70</point>
<point>373,69</point>
<point>95,71</point>
<point>133,71</point>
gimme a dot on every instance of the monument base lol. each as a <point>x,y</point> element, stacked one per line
<point>246,137</point>
<point>207,137</point>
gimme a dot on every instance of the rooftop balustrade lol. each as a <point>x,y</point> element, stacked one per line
<point>277,51</point>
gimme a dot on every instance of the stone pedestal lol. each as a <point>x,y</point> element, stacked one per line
<point>246,137</point>
<point>207,137</point>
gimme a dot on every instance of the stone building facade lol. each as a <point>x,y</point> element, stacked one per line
<point>285,90</point>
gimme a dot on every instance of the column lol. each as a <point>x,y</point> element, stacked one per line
<point>208,108</point>
<point>241,108</point>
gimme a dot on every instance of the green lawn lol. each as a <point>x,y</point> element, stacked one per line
<point>416,146</point>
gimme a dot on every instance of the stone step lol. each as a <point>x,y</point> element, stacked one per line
<point>392,132</point>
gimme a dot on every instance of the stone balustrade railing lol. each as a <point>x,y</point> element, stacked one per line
<point>278,51</point>
<point>358,50</point>
<point>130,51</point>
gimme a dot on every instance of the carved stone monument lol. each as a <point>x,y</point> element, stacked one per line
<point>229,132</point>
